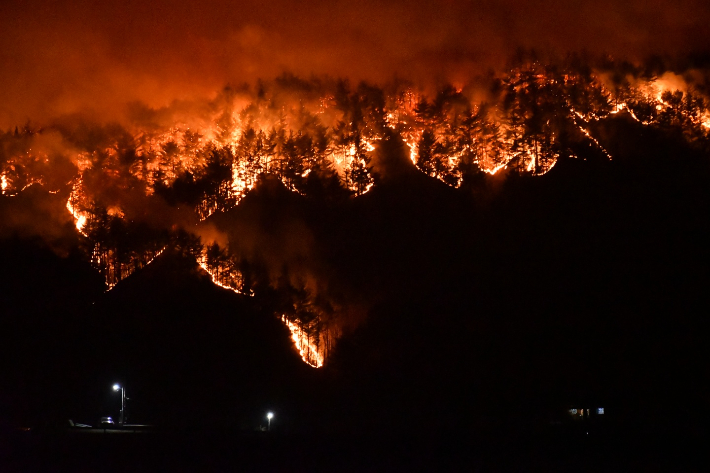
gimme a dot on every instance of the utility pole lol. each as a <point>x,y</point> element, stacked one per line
<point>116,387</point>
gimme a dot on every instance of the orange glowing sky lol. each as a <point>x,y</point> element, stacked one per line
<point>64,57</point>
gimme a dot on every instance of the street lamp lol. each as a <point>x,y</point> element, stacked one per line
<point>269,416</point>
<point>116,387</point>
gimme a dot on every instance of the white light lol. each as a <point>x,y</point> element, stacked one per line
<point>270,415</point>
<point>116,387</point>
<point>600,410</point>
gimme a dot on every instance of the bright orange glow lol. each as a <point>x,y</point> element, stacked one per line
<point>309,351</point>
<point>224,280</point>
<point>531,163</point>
<point>115,273</point>
<point>194,160</point>
<point>243,179</point>
<point>494,170</point>
<point>588,134</point>
<point>412,152</point>
<point>79,217</point>
<point>623,106</point>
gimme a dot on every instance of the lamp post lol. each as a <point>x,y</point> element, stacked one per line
<point>116,387</point>
<point>269,416</point>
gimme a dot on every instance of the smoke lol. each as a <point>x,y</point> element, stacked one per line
<point>67,57</point>
<point>269,229</point>
<point>38,216</point>
<point>132,98</point>
<point>209,234</point>
<point>390,159</point>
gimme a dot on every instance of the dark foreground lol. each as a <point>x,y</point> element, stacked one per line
<point>557,448</point>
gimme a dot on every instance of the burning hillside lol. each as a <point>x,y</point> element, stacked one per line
<point>164,174</point>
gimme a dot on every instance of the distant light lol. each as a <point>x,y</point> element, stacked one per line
<point>270,415</point>
<point>600,410</point>
<point>116,387</point>
<point>573,411</point>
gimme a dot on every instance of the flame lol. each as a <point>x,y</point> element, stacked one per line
<point>6,187</point>
<point>215,279</point>
<point>412,153</point>
<point>588,134</point>
<point>489,136</point>
<point>494,170</point>
<point>243,179</point>
<point>80,217</point>
<point>531,164</point>
<point>113,274</point>
<point>160,252</point>
<point>179,149</point>
<point>164,154</point>
<point>308,350</point>
<point>231,282</point>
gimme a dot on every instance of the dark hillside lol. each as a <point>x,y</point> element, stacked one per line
<point>584,286</point>
<point>199,354</point>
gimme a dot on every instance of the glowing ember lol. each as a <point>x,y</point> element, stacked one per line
<point>3,183</point>
<point>160,252</point>
<point>624,106</point>
<point>114,271</point>
<point>588,134</point>
<point>494,170</point>
<point>308,350</point>
<point>230,280</point>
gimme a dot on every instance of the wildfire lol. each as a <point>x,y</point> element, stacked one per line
<point>160,252</point>
<point>113,271</point>
<point>494,170</point>
<point>531,163</point>
<point>412,152</point>
<point>79,216</point>
<point>221,278</point>
<point>588,134</point>
<point>243,179</point>
<point>210,162</point>
<point>79,219</point>
<point>308,350</point>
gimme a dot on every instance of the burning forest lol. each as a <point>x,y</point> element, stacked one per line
<point>291,230</point>
<point>170,177</point>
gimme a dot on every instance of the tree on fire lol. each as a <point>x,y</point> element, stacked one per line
<point>117,247</point>
<point>315,137</point>
<point>363,119</point>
